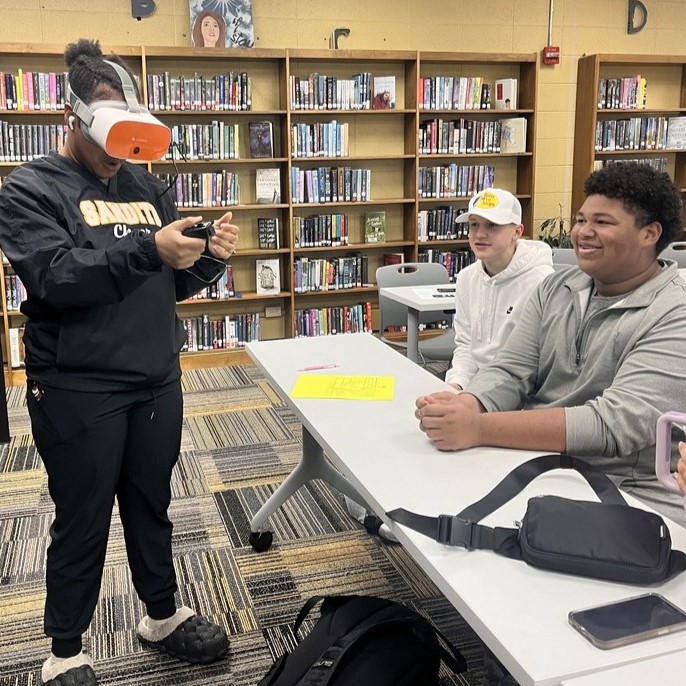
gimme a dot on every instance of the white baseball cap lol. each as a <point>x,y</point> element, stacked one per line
<point>497,206</point>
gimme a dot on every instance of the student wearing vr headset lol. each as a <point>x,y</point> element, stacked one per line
<point>100,248</point>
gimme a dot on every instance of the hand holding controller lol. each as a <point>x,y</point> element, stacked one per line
<point>200,230</point>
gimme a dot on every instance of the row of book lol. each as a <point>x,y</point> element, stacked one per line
<point>25,142</point>
<point>33,90</point>
<point>330,184</point>
<point>657,163</point>
<point>320,230</point>
<point>453,261</point>
<point>331,321</point>
<point>14,292</point>
<point>321,139</point>
<point>624,93</point>
<point>210,189</point>
<point>641,133</point>
<point>459,136</point>
<point>322,92</point>
<point>221,92</point>
<point>455,181</point>
<point>443,224</point>
<point>214,141</point>
<point>312,274</point>
<point>204,333</point>
<point>466,93</point>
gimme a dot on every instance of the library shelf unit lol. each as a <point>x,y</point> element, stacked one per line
<point>382,150</point>
<point>665,97</point>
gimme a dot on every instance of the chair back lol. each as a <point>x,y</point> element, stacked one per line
<point>676,252</point>
<point>407,274</point>
<point>563,258</point>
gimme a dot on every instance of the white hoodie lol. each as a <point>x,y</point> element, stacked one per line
<point>488,307</point>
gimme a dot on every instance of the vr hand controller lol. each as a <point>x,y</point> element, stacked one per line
<point>200,230</point>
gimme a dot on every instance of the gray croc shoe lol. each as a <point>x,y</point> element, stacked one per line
<point>74,671</point>
<point>186,636</point>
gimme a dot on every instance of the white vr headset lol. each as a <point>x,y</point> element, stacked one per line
<point>124,130</point>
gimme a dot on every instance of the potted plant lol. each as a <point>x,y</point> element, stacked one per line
<point>556,231</point>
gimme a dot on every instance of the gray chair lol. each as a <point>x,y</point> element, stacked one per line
<point>676,252</point>
<point>391,313</point>
<point>563,258</point>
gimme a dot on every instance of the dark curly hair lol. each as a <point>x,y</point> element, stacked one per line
<point>87,69</point>
<point>647,194</point>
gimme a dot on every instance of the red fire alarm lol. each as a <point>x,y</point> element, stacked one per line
<point>551,54</point>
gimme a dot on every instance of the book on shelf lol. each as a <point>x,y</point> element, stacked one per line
<point>506,94</point>
<point>375,227</point>
<point>268,186</point>
<point>384,93</point>
<point>268,274</point>
<point>513,135</point>
<point>676,133</point>
<point>261,139</point>
<point>230,290</point>
<point>268,233</point>
<point>393,258</point>
<point>16,346</point>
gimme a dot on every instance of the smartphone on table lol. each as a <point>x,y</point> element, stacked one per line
<point>628,621</point>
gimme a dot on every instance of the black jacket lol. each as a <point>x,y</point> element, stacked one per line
<point>101,304</point>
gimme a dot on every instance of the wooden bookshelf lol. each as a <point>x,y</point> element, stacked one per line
<point>665,97</point>
<point>383,141</point>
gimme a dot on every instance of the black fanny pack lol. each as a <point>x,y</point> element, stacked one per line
<point>603,540</point>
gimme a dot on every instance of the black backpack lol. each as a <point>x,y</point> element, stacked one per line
<point>364,640</point>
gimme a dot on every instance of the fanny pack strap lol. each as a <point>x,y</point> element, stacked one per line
<point>463,529</point>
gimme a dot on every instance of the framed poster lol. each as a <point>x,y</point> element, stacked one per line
<point>221,23</point>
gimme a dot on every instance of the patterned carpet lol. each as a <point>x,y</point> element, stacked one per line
<point>239,441</point>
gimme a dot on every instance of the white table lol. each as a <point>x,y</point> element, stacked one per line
<point>518,611</point>
<point>665,670</point>
<point>419,299</point>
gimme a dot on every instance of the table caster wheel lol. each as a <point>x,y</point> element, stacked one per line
<point>261,540</point>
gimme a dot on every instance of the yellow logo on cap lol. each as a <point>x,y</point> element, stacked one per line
<point>487,201</point>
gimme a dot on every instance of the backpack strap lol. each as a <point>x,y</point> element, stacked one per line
<point>449,653</point>
<point>463,529</point>
<point>304,611</point>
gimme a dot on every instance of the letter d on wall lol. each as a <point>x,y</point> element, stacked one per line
<point>633,6</point>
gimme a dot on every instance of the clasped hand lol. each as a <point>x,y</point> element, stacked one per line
<point>181,252</point>
<point>450,421</point>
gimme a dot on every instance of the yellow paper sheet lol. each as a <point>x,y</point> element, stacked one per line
<point>343,387</point>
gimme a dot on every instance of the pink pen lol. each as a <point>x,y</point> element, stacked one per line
<point>317,367</point>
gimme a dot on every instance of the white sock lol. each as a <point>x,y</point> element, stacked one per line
<point>54,666</point>
<point>157,629</point>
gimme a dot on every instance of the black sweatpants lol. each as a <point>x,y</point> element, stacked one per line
<point>95,446</point>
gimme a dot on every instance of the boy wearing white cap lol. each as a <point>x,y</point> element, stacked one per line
<point>491,293</point>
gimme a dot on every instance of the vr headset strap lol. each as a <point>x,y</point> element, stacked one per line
<point>463,529</point>
<point>86,114</point>
<point>127,86</point>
